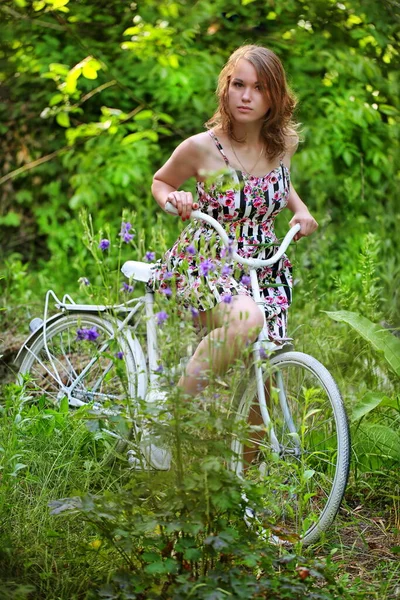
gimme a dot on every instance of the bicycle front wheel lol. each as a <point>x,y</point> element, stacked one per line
<point>80,357</point>
<point>305,474</point>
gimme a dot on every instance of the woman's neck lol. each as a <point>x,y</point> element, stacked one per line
<point>248,134</point>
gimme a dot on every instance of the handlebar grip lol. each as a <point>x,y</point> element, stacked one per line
<point>170,208</point>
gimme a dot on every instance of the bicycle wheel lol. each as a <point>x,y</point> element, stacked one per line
<point>305,477</point>
<point>88,364</point>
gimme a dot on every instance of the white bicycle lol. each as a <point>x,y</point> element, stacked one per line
<point>91,355</point>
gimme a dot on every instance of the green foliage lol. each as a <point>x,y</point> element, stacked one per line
<point>139,534</point>
<point>107,115</point>
<point>369,402</point>
<point>380,339</point>
<point>85,124</point>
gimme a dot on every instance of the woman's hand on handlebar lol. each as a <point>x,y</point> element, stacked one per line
<point>183,202</point>
<point>307,223</point>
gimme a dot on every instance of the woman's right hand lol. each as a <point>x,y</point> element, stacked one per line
<point>183,202</point>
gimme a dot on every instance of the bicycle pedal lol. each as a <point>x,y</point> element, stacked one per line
<point>137,464</point>
<point>134,462</point>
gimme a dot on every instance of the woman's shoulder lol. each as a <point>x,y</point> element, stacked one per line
<point>199,141</point>
<point>291,142</point>
<point>198,146</point>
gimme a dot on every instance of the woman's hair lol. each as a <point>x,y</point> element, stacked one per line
<point>278,126</point>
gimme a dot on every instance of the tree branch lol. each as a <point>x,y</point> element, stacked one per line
<point>17,15</point>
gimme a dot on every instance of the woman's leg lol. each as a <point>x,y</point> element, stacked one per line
<point>232,327</point>
<point>255,418</point>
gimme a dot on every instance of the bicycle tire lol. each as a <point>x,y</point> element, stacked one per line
<point>111,386</point>
<point>304,491</point>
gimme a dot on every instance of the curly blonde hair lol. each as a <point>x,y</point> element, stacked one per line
<point>279,126</point>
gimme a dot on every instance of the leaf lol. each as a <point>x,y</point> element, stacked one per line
<point>143,115</point>
<point>71,80</point>
<point>139,135</point>
<point>308,474</point>
<point>370,401</point>
<point>11,219</point>
<point>388,110</point>
<point>381,339</point>
<point>379,440</point>
<point>63,119</point>
<point>64,406</point>
<point>17,468</point>
<point>347,157</point>
<point>89,72</point>
<point>167,566</point>
<point>56,99</point>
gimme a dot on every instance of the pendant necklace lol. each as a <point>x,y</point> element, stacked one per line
<point>240,163</point>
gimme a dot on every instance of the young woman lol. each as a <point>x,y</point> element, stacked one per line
<point>251,138</point>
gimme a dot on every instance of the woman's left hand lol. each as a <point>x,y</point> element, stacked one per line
<point>307,223</point>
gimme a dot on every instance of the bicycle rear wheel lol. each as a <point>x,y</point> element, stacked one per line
<point>305,479</point>
<point>57,365</point>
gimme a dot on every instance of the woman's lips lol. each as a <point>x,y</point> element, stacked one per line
<point>244,109</point>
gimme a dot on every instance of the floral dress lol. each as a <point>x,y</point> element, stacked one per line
<point>198,271</point>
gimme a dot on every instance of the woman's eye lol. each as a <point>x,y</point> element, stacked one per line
<point>237,84</point>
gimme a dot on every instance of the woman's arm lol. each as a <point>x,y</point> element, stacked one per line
<point>181,166</point>
<point>301,214</point>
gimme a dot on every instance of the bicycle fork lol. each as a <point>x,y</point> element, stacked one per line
<point>261,344</point>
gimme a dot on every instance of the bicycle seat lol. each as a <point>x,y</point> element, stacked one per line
<point>139,271</point>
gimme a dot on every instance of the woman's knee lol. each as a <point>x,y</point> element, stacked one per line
<point>241,315</point>
<point>245,316</point>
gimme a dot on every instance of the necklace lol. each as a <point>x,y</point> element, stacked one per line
<point>240,163</point>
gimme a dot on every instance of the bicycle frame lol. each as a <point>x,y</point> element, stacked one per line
<point>146,302</point>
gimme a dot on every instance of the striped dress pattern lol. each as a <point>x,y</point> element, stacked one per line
<point>198,269</point>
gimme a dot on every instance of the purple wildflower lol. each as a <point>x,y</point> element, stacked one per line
<point>226,270</point>
<point>227,251</point>
<point>150,256</point>
<point>119,355</point>
<point>168,275</point>
<point>227,298</point>
<point>126,288</point>
<point>262,353</point>
<point>246,280</point>
<point>83,281</point>
<point>161,317</point>
<point>194,311</point>
<point>159,369</point>
<point>124,233</point>
<point>84,333</point>
<point>191,249</point>
<point>104,245</point>
<point>167,291</point>
<point>206,266</point>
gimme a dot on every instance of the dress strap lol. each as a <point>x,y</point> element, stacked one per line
<point>219,146</point>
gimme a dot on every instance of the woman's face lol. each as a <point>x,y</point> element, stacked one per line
<point>247,100</point>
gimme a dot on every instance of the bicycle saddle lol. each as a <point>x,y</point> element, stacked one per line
<point>139,271</point>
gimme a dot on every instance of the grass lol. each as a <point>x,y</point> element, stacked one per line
<point>65,558</point>
<point>46,456</point>
<point>364,543</point>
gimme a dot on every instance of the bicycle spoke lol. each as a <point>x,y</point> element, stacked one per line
<point>301,476</point>
<point>81,348</point>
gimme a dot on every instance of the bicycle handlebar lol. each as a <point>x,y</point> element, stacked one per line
<point>251,262</point>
